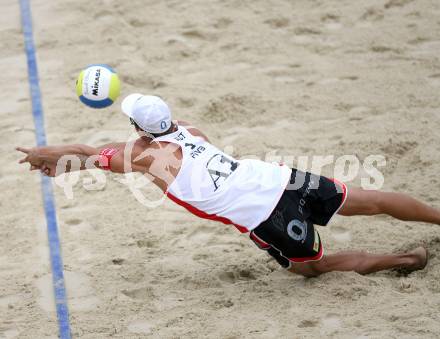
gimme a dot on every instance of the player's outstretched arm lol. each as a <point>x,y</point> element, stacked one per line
<point>47,158</point>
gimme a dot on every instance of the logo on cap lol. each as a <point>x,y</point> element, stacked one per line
<point>163,124</point>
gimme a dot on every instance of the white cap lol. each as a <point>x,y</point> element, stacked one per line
<point>150,112</point>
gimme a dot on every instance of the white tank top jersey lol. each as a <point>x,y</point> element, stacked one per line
<point>213,185</point>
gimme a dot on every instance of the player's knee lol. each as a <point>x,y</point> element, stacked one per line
<point>308,273</point>
<point>318,267</point>
<point>309,269</point>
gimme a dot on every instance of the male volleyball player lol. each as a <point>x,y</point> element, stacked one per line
<point>276,205</point>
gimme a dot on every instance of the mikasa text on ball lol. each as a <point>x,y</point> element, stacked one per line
<point>98,86</point>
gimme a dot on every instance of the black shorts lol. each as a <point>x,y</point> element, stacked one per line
<point>288,234</point>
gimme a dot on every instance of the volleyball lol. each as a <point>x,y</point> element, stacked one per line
<point>98,86</point>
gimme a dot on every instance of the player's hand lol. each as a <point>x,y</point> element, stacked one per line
<point>32,157</point>
<point>48,169</point>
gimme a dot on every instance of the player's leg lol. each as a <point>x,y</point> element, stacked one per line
<point>362,262</point>
<point>397,205</point>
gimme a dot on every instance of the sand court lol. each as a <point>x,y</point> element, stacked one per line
<point>282,78</point>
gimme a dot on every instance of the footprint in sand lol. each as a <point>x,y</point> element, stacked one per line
<point>139,293</point>
<point>77,226</point>
<point>103,14</point>
<point>186,102</point>
<point>372,14</point>
<point>277,22</point>
<point>399,148</point>
<point>331,21</point>
<point>137,23</point>
<point>384,49</point>
<point>195,33</point>
<point>200,257</point>
<point>283,73</point>
<point>308,323</point>
<point>148,243</point>
<point>73,222</point>
<point>417,41</point>
<point>118,261</point>
<point>222,23</point>
<point>397,3</point>
<point>234,276</point>
<point>133,276</point>
<point>223,303</point>
<point>306,31</point>
<point>348,78</point>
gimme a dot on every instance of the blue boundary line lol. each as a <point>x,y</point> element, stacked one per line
<point>48,201</point>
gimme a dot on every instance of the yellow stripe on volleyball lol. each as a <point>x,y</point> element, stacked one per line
<point>98,86</point>
<point>115,87</point>
<point>79,83</point>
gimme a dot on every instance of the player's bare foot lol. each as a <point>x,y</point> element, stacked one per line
<point>418,259</point>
